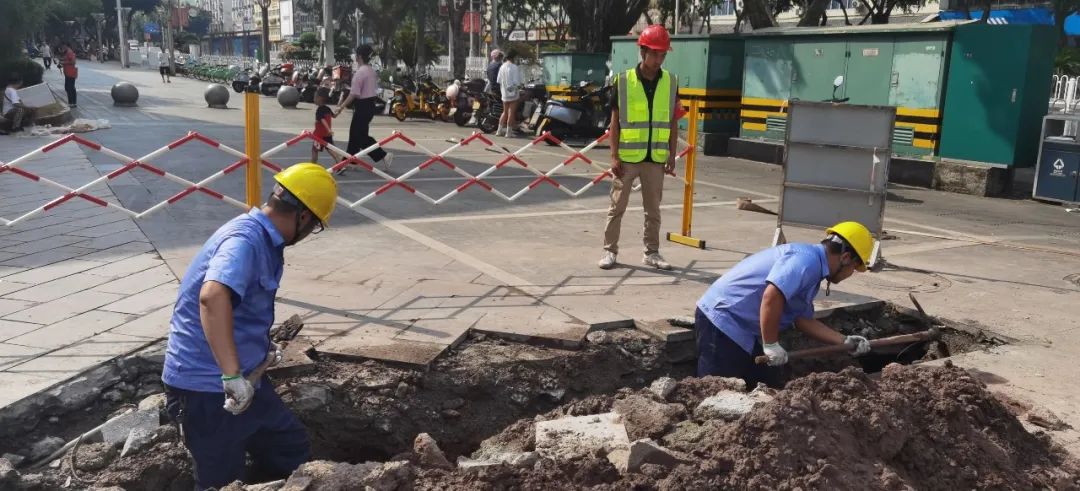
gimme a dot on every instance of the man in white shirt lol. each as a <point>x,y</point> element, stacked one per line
<point>163,67</point>
<point>46,55</point>
<point>14,110</point>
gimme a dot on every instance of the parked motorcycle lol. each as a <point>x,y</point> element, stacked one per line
<point>534,97</point>
<point>466,98</point>
<point>272,80</point>
<point>587,117</point>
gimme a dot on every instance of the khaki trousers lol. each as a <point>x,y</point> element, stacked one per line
<point>651,176</point>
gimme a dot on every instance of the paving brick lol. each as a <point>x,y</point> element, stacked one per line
<point>60,309</point>
<point>43,245</point>
<point>118,252</point>
<point>51,272</point>
<point>113,240</point>
<point>72,329</point>
<point>138,282</point>
<point>147,301</point>
<point>11,329</point>
<point>10,270</point>
<point>126,225</point>
<point>58,288</point>
<point>45,258</point>
<point>410,353</point>
<point>128,266</point>
<point>71,360</point>
<point>11,354</point>
<point>5,256</point>
<point>41,233</point>
<point>10,306</point>
<point>154,325</point>
<point>16,386</point>
<point>7,287</point>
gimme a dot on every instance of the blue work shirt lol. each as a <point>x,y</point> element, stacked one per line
<point>733,302</point>
<point>246,255</point>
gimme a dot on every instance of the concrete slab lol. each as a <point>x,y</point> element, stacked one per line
<point>544,326</point>
<point>73,359</point>
<point>72,329</point>
<point>13,354</point>
<point>60,309</point>
<point>15,386</point>
<point>51,272</point>
<point>139,282</point>
<point>58,288</point>
<point>573,437</point>
<point>407,353</point>
<point>145,302</point>
<point>154,325</point>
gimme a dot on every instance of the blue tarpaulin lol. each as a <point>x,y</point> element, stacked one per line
<point>1035,15</point>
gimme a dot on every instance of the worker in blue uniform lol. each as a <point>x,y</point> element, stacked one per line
<point>219,334</point>
<point>742,314</point>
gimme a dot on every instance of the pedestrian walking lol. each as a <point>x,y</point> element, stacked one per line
<point>510,84</point>
<point>71,72</point>
<point>163,67</point>
<point>220,333</point>
<point>742,314</point>
<point>324,129</point>
<point>364,88</point>
<point>46,55</point>
<point>644,132</point>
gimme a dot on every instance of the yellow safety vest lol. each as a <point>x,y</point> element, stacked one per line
<point>638,132</point>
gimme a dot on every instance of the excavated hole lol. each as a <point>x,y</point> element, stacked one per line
<point>884,321</point>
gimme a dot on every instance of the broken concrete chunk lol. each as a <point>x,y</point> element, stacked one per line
<point>137,441</point>
<point>117,429</point>
<point>642,452</point>
<point>599,337</point>
<point>7,471</point>
<point>307,397</point>
<point>646,418</point>
<point>729,405</point>
<point>429,453</point>
<point>15,459</point>
<point>297,483</point>
<point>521,460</point>
<point>45,447</point>
<point>1040,416</point>
<point>663,387</point>
<point>154,402</point>
<point>576,436</point>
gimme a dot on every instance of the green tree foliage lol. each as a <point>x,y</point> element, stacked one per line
<point>405,45</point>
<point>593,22</point>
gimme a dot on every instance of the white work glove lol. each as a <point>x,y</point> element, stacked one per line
<point>238,394</point>
<point>859,345</point>
<point>776,353</point>
<point>273,357</point>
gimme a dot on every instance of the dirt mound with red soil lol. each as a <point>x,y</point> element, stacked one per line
<point>918,427</point>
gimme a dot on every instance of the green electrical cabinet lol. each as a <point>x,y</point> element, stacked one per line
<point>997,93</point>
<point>564,69</point>
<point>709,69</point>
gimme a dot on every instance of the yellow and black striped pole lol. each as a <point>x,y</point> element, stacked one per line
<point>684,237</point>
<point>251,147</point>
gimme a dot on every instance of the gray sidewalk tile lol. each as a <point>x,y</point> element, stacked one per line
<point>15,386</point>
<point>7,287</point>
<point>12,354</point>
<point>12,329</point>
<point>45,258</point>
<point>128,266</point>
<point>107,229</point>
<point>19,234</point>
<point>113,240</point>
<point>147,301</point>
<point>47,273</point>
<point>138,282</point>
<point>116,253</point>
<point>11,306</point>
<point>58,310</point>
<point>43,245</point>
<point>58,288</point>
<point>71,330</point>
<point>73,359</point>
<point>154,325</point>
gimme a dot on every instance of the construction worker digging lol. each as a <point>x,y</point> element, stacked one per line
<point>644,133</point>
<point>742,313</point>
<point>219,334</point>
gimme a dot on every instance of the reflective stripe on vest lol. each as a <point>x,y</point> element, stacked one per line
<point>637,131</point>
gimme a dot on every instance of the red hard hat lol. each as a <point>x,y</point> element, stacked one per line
<point>655,37</point>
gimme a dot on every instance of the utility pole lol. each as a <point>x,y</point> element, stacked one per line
<point>328,31</point>
<point>171,41</point>
<point>472,32</point>
<point>123,38</point>
<point>676,16</point>
<point>358,16</point>
<point>494,23</point>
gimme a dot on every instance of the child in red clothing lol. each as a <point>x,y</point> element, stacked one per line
<point>323,127</point>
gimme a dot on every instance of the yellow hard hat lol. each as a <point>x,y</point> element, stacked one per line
<point>858,237</point>
<point>313,186</point>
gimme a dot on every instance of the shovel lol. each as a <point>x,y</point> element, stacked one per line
<point>919,337</point>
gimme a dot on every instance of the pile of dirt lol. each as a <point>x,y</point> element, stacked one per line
<point>917,427</point>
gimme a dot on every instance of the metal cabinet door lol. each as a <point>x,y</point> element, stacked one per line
<point>869,68</point>
<point>815,64</point>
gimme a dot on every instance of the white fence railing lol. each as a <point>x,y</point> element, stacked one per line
<point>1064,94</point>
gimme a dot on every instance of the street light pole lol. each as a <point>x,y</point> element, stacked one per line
<point>472,31</point>
<point>123,38</point>
<point>358,16</point>
<point>494,23</point>
<point>676,16</point>
<point>328,31</point>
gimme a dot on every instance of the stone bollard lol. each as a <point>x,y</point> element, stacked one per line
<point>288,96</point>
<point>217,96</point>
<point>124,94</point>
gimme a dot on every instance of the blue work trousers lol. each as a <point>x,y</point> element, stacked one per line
<point>720,356</point>
<point>219,440</point>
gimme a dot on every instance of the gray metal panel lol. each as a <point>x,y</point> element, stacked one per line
<point>824,208</point>
<point>839,167</point>
<point>841,124</point>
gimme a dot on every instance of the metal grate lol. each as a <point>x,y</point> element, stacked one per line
<point>773,123</point>
<point>903,136</point>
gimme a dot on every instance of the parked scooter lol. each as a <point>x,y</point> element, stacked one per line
<point>426,99</point>
<point>588,117</point>
<point>272,80</point>
<point>467,98</point>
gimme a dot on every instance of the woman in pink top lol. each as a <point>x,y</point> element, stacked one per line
<point>365,85</point>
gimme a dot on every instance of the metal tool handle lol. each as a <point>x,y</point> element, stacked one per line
<point>843,348</point>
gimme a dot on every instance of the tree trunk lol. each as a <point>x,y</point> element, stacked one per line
<point>461,39</point>
<point>814,13</point>
<point>757,12</point>
<point>593,22</point>
<point>265,33</point>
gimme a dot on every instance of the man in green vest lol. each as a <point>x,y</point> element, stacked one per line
<point>643,136</point>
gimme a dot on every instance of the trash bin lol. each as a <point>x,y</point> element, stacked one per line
<point>1057,175</point>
